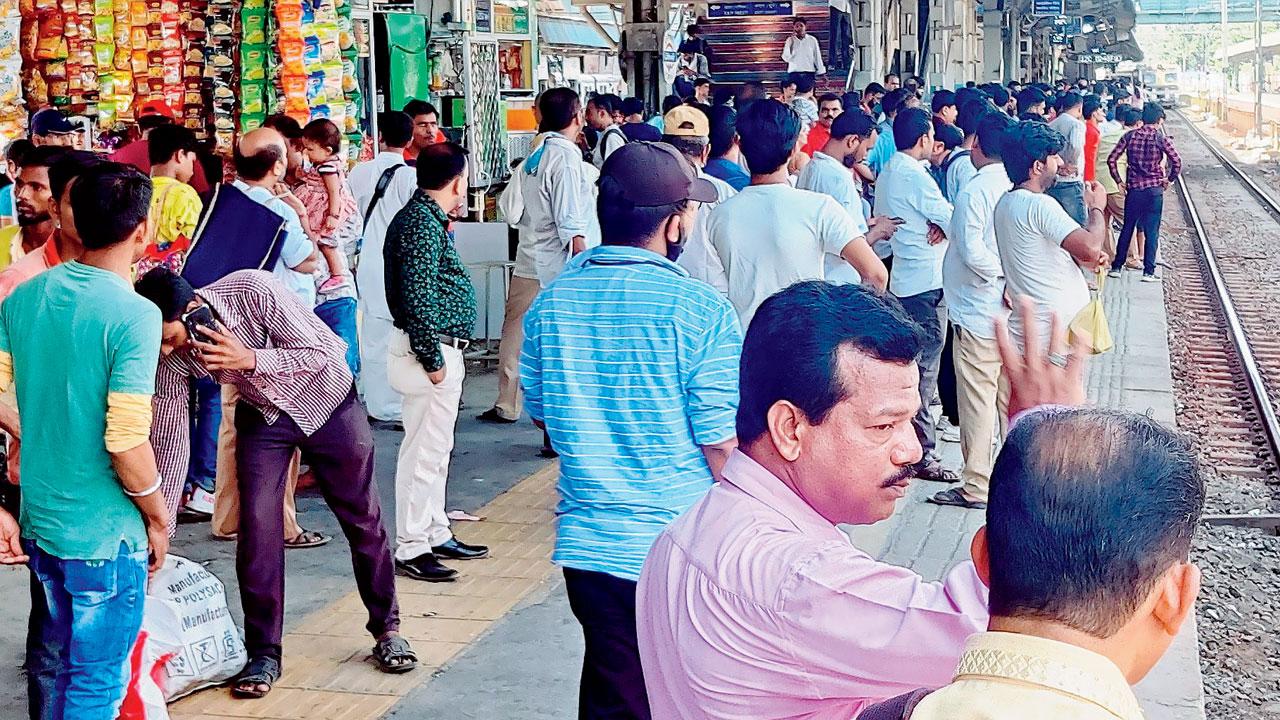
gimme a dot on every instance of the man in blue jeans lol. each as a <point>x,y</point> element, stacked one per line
<point>1145,149</point>
<point>91,436</point>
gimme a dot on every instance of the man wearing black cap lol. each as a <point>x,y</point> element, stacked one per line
<point>50,127</point>
<point>661,358</point>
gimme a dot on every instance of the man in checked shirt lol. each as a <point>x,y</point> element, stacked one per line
<point>296,393</point>
<point>1144,149</point>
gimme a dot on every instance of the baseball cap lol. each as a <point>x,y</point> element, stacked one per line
<point>155,107</point>
<point>50,122</point>
<point>686,121</point>
<point>652,174</point>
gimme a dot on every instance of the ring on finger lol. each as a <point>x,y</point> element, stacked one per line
<point>1058,359</point>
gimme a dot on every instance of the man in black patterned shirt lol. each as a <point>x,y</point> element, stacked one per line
<point>433,307</point>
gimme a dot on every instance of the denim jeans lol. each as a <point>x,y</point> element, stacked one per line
<point>95,613</point>
<point>340,316</point>
<point>206,416</point>
<point>1142,210</point>
<point>1070,195</point>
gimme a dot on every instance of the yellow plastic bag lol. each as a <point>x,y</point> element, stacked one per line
<point>1090,324</point>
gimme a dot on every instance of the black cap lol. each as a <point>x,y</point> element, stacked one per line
<point>649,174</point>
<point>50,122</point>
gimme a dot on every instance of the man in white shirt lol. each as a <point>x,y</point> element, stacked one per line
<point>1069,189</point>
<point>1042,250</point>
<point>961,170</point>
<point>841,27</point>
<point>395,132</point>
<point>771,235</point>
<point>600,115</point>
<point>853,134</point>
<point>906,190</point>
<point>801,52</point>
<point>558,200</point>
<point>973,283</point>
<point>688,130</point>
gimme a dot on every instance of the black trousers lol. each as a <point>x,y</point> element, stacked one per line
<point>612,682</point>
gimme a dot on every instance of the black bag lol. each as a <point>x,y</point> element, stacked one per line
<point>384,181</point>
<point>235,232</point>
<point>895,708</point>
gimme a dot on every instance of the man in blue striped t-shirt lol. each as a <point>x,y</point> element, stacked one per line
<point>632,367</point>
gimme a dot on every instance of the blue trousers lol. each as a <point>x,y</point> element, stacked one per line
<point>1142,211</point>
<point>95,613</point>
<point>206,416</point>
<point>340,316</point>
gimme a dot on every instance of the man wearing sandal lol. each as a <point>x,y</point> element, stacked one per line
<point>296,394</point>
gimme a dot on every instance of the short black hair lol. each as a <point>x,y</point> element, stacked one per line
<point>622,223</point>
<point>110,202</point>
<point>439,164</point>
<point>632,106</point>
<point>1152,113</point>
<point>967,95</point>
<point>804,83</point>
<point>611,103</point>
<point>396,128</point>
<point>893,101</point>
<point>325,133</point>
<point>696,83</point>
<point>1028,116</point>
<point>799,21</point>
<point>830,97</point>
<point>851,99</point>
<point>285,125</point>
<point>1069,100</point>
<point>693,29</point>
<point>1092,103</point>
<point>17,149</point>
<point>999,95</point>
<point>751,90</point>
<point>1132,115</point>
<point>769,131</point>
<point>853,122</point>
<point>69,166</point>
<point>724,128</point>
<point>169,291</point>
<point>1025,144</point>
<point>42,156</point>
<point>151,122</point>
<point>786,81</point>
<point>1080,539</point>
<point>257,165</point>
<point>1029,96</point>
<point>670,103</point>
<point>909,126</point>
<point>970,115</point>
<point>166,140</point>
<point>559,107</point>
<point>874,88</point>
<point>992,131</point>
<point>942,99</point>
<point>947,134</point>
<point>414,108</point>
<point>792,348</point>
<point>891,75</point>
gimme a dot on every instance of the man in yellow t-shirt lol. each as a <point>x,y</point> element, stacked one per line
<point>175,206</point>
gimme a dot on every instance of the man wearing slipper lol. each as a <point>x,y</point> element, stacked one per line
<point>296,393</point>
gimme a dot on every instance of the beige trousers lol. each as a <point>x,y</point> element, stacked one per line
<point>982,398</point>
<point>519,297</point>
<point>226,491</point>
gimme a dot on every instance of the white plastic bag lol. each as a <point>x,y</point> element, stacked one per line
<point>187,617</point>
<point>143,699</point>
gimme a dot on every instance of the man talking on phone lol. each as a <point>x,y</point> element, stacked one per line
<point>296,393</point>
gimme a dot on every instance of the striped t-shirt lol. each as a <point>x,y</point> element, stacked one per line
<point>633,366</point>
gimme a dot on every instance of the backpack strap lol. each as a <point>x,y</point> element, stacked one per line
<point>378,191</point>
<point>895,708</point>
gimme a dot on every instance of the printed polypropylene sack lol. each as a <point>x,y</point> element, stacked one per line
<point>187,610</point>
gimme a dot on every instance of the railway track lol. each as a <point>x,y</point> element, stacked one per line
<point>1228,314</point>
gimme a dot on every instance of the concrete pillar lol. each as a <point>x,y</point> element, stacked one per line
<point>993,55</point>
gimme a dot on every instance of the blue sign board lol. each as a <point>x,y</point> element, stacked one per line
<point>751,9</point>
<point>1046,7</point>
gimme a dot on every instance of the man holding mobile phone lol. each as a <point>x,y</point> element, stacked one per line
<point>249,331</point>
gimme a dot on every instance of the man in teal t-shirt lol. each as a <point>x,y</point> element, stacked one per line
<point>81,349</point>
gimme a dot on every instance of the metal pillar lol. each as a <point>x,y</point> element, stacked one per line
<point>1260,72</point>
<point>643,27</point>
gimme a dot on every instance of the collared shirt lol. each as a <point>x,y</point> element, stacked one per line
<point>364,180</point>
<point>80,347</point>
<point>301,367</point>
<point>1073,130</point>
<point>752,605</point>
<point>972,277</point>
<point>29,266</point>
<point>803,54</point>
<point>1003,676</point>
<point>828,176</point>
<point>959,173</point>
<point>729,171</point>
<point>559,203</point>
<point>295,250</point>
<point>633,366</point>
<point>883,150</point>
<point>428,288</point>
<point>1110,138</point>
<point>699,258</point>
<point>819,134</point>
<point>906,190</point>
<point>772,236</point>
<point>1144,149</point>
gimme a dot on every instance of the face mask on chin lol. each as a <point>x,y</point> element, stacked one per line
<point>674,249</point>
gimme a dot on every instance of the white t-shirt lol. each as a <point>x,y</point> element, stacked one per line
<point>828,176</point>
<point>906,190</point>
<point>1030,228</point>
<point>1073,152</point>
<point>699,258</point>
<point>772,236</point>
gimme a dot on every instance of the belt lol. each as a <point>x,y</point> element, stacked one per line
<point>453,342</point>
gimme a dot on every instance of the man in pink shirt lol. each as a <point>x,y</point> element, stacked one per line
<point>754,603</point>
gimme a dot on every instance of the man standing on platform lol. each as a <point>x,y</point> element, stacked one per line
<point>1146,179</point>
<point>829,107</point>
<point>426,128</point>
<point>556,193</point>
<point>1069,189</point>
<point>802,54</point>
<point>32,198</point>
<point>433,305</point>
<point>382,187</point>
<point>660,355</point>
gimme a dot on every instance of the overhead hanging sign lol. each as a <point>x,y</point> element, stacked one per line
<point>751,9</point>
<point>1047,7</point>
<point>1098,58</point>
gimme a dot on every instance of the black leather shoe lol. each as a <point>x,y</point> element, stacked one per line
<point>455,550</point>
<point>493,416</point>
<point>427,568</point>
<point>932,470</point>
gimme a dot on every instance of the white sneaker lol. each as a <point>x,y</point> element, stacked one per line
<point>948,432</point>
<point>1113,274</point>
<point>200,501</point>
<point>1150,278</point>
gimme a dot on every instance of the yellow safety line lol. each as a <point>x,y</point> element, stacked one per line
<point>328,670</point>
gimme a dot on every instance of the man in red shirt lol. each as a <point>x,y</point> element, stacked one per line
<point>829,106</point>
<point>1093,115</point>
<point>151,115</point>
<point>426,128</point>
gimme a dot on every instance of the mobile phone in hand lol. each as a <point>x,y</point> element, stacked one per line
<point>197,319</point>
